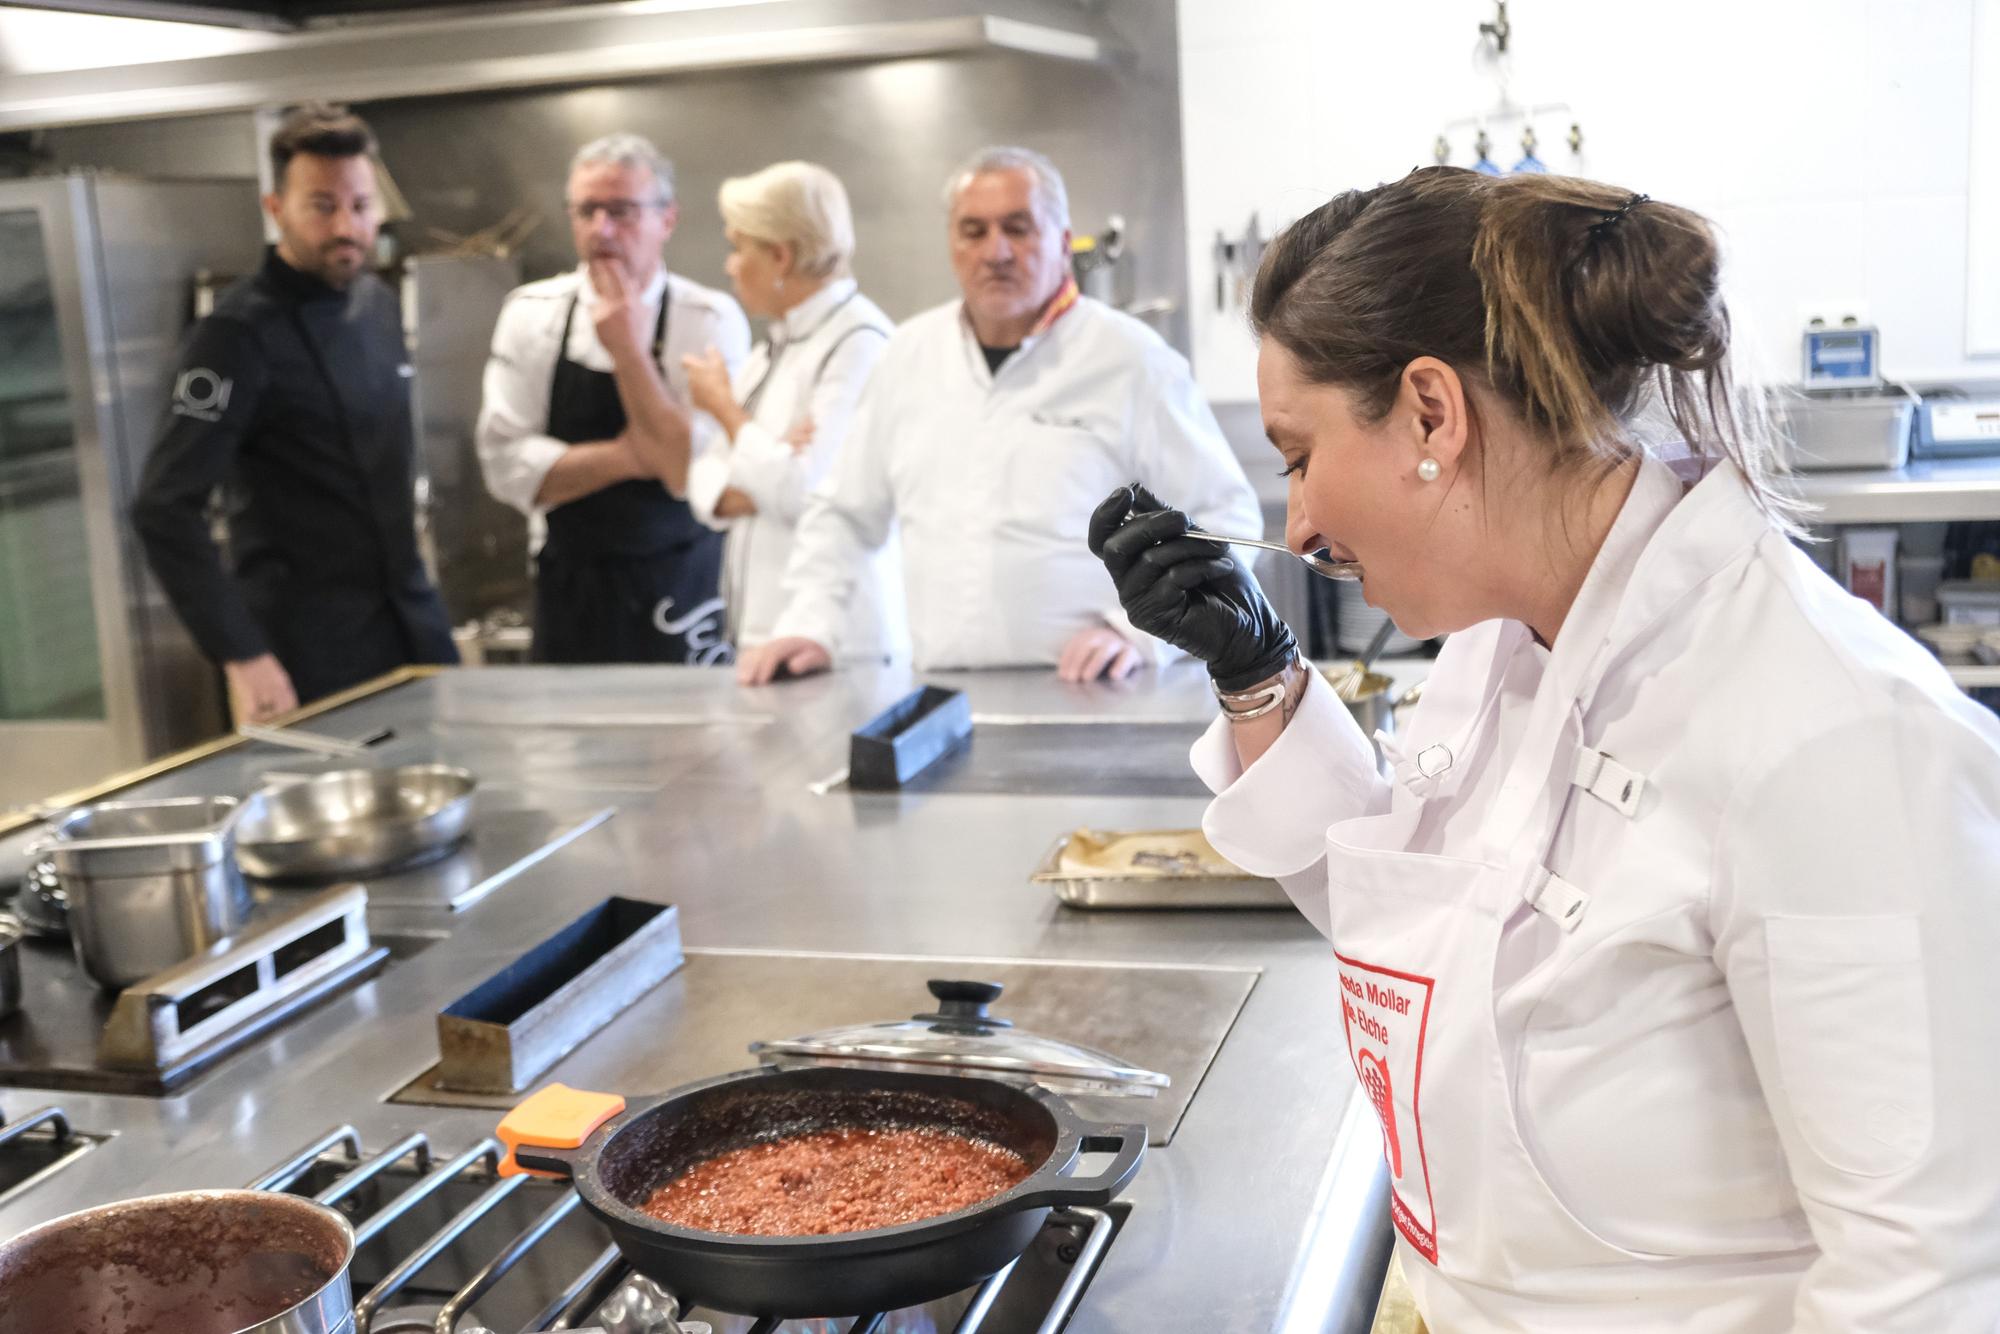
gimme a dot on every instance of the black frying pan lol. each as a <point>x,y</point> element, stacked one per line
<point>845,1274</point>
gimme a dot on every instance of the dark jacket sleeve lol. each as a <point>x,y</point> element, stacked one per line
<point>209,409</point>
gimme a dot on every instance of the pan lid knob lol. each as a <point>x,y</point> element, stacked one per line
<point>962,1006</point>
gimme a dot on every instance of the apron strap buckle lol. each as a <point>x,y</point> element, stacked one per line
<point>1609,781</point>
<point>1557,899</point>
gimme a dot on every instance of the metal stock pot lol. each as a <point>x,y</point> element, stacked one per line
<point>147,884</point>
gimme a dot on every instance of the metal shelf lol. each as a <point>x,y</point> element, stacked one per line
<point>1974,676</point>
<point>1925,491</point>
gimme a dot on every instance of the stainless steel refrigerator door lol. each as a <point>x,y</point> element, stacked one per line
<point>96,280</point>
<point>59,722</point>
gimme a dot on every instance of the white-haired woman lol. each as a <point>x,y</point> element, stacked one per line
<point>787,410</point>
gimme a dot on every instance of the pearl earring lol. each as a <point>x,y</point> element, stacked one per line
<point>1429,470</point>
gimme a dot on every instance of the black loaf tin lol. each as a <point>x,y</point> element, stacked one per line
<point>908,737</point>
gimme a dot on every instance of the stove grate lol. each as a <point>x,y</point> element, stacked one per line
<point>605,1290</point>
<point>36,1146</point>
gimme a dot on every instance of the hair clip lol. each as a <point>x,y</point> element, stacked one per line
<point>1605,223</point>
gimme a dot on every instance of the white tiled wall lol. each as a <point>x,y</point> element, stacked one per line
<point>1828,138</point>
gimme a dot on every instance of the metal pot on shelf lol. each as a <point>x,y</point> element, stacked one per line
<point>194,1262</point>
<point>1372,700</point>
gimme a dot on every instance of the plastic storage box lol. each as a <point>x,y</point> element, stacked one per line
<point>1861,428</point>
<point>1969,601</point>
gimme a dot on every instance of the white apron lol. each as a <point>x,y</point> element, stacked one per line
<point>1724,1073</point>
<point>1417,936</point>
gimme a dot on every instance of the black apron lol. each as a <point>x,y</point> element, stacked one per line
<point>628,574</point>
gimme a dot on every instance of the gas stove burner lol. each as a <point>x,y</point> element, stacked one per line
<point>578,1282</point>
<point>42,905</point>
<point>412,1320</point>
<point>641,1306</point>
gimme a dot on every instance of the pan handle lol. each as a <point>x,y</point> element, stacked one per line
<point>537,1161</point>
<point>547,1130</point>
<point>1126,1143</point>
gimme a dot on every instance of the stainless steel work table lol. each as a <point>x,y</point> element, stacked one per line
<point>1264,1213</point>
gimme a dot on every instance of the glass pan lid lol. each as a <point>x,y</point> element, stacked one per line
<point>961,1037</point>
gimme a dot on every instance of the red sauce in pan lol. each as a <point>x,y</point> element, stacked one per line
<point>836,1181</point>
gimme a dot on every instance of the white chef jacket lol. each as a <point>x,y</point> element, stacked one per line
<point>813,367</point>
<point>515,449</point>
<point>1759,1074</point>
<point>991,478</point>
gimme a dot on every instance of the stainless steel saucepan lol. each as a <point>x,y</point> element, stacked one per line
<point>196,1262</point>
<point>354,821</point>
<point>1372,699</point>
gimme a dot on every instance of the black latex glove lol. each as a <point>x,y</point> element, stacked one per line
<point>1188,592</point>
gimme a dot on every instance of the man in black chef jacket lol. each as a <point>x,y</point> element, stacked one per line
<point>293,396</point>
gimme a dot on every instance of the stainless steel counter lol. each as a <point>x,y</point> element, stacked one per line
<point>1264,1213</point>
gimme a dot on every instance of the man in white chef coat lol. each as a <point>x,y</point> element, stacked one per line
<point>586,425</point>
<point>992,426</point>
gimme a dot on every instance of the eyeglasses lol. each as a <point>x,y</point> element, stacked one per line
<point>620,211</point>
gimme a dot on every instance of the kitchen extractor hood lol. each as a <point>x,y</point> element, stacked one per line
<point>270,15</point>
<point>363,58</point>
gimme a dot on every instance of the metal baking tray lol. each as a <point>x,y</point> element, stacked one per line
<point>1159,868</point>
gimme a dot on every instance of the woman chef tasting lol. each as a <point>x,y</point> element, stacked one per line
<point>1670,955</point>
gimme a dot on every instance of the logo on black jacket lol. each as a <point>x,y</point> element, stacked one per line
<point>202,394</point>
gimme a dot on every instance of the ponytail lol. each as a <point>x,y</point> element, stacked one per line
<point>1573,301</point>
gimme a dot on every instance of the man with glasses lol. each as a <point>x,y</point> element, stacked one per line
<point>989,431</point>
<point>586,426</point>
<point>293,399</point>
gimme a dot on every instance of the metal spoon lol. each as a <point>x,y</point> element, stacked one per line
<point>1320,565</point>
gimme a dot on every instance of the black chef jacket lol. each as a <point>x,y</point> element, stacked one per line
<point>294,398</point>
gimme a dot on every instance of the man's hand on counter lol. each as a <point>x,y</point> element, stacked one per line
<point>794,655</point>
<point>1098,651</point>
<point>259,688</point>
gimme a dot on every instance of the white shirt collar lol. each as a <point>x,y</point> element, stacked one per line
<point>802,319</point>
<point>1655,493</point>
<point>587,295</point>
<point>977,358</point>
<point>972,334</point>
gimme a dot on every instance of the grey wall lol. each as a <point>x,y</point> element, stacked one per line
<point>891,130</point>
<point>185,147</point>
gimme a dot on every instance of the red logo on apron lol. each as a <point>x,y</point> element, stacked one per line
<point>1384,1013</point>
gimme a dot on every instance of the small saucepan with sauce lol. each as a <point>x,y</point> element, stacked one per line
<point>822,1190</point>
<point>195,1262</point>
